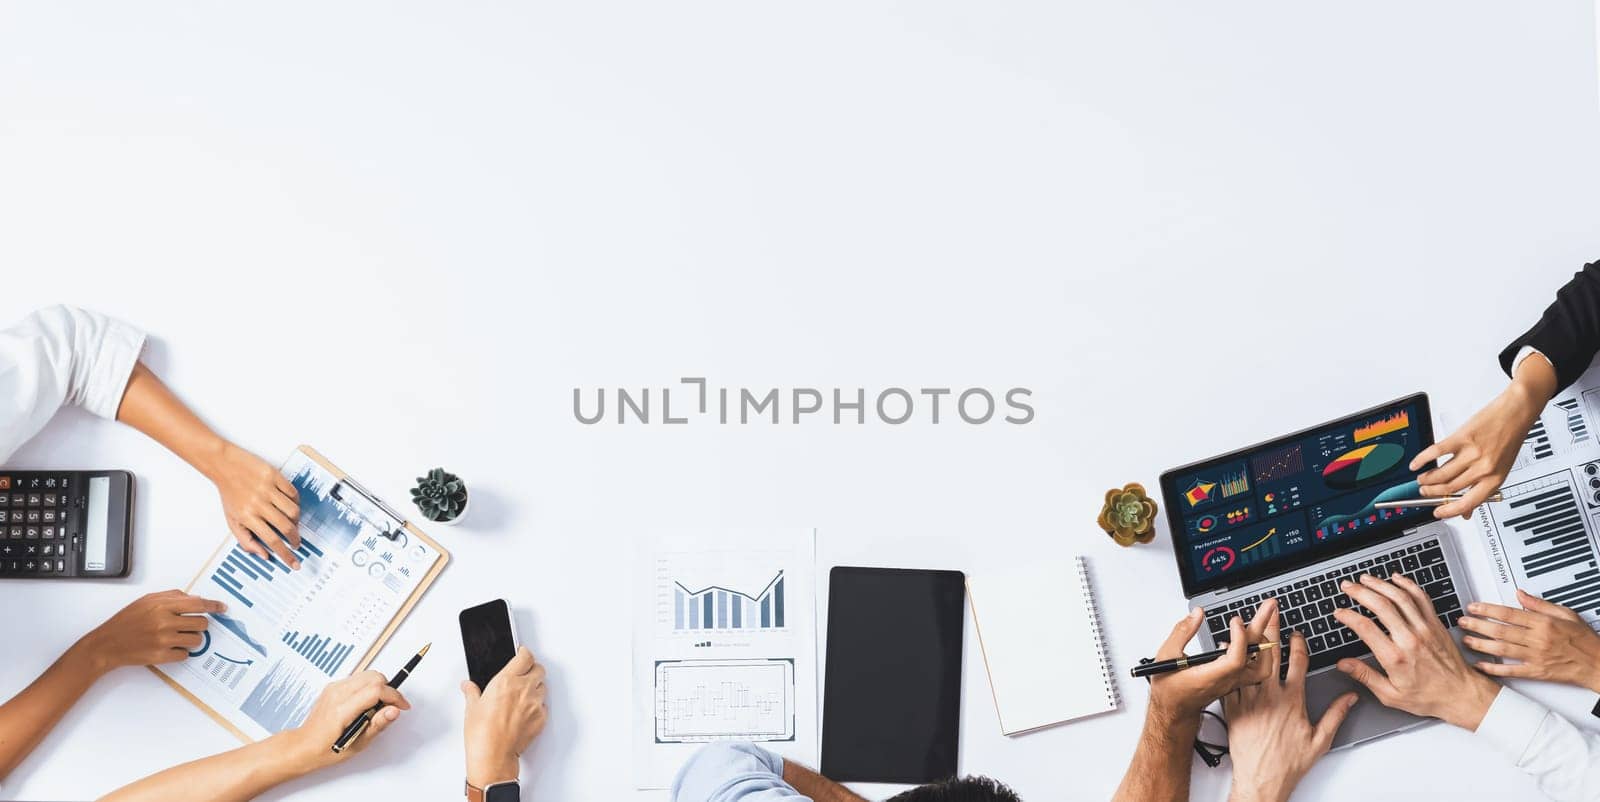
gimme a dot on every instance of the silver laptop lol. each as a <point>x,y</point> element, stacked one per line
<point>1292,517</point>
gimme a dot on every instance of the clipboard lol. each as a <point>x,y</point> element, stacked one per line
<point>352,498</point>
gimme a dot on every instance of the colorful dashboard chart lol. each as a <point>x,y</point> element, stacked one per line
<point>1356,466</point>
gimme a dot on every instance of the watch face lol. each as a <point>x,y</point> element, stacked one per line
<point>503,792</point>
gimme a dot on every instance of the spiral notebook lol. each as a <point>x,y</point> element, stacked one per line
<point>1039,632</point>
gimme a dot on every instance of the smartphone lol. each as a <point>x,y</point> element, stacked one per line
<point>489,638</point>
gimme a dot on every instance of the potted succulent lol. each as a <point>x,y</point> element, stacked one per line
<point>1129,516</point>
<point>441,496</point>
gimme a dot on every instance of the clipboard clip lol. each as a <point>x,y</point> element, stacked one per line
<point>367,506</point>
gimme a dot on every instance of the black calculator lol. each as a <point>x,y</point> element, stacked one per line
<point>65,524</point>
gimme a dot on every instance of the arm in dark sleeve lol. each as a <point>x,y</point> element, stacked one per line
<point>1569,333</point>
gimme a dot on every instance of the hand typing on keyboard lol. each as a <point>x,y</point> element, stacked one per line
<point>1423,672</point>
<point>1553,642</point>
<point>1270,735</point>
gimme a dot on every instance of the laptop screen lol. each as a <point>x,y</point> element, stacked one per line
<point>1297,499</point>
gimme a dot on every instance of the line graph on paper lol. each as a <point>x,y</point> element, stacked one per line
<point>711,700</point>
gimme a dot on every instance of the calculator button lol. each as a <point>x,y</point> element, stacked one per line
<point>8,550</point>
<point>31,532</point>
<point>49,549</point>
<point>33,483</point>
<point>30,550</point>
<point>44,566</point>
<point>61,565</point>
<point>49,499</point>
<point>16,533</point>
<point>47,532</point>
<point>29,565</point>
<point>5,483</point>
<point>35,499</point>
<point>13,565</point>
<point>33,516</point>
<point>3,515</point>
<point>47,516</point>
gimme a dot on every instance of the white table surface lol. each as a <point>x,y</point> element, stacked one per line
<point>1186,226</point>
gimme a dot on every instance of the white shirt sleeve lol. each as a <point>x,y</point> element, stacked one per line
<point>1562,758</point>
<point>62,355</point>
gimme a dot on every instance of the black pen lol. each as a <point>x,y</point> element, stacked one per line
<point>1167,666</point>
<point>360,725</point>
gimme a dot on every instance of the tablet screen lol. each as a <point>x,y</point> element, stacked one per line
<point>891,709</point>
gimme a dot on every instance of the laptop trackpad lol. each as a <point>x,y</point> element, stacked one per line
<point>1370,719</point>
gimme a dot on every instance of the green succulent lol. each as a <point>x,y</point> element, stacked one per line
<point>440,495</point>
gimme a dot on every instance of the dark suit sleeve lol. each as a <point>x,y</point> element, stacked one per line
<point>1569,333</point>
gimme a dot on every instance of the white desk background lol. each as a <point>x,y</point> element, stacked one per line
<point>405,232</point>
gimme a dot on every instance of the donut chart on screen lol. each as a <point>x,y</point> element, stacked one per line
<point>1356,466</point>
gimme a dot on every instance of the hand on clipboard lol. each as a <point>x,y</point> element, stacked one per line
<point>288,633</point>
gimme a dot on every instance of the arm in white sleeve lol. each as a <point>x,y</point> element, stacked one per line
<point>62,355</point>
<point>1562,758</point>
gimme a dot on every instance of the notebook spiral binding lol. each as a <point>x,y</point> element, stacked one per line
<point>1099,634</point>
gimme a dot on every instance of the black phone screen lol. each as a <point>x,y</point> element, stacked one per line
<point>891,708</point>
<point>490,642</point>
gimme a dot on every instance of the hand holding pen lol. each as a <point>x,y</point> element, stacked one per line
<point>307,746</point>
<point>1187,692</point>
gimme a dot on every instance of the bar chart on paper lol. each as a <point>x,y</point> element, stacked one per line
<point>724,628</point>
<point>716,607</point>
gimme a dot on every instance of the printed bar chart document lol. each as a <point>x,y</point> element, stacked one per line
<point>724,647</point>
<point>287,633</point>
<point>1544,537</point>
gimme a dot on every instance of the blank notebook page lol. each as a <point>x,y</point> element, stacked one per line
<point>1039,631</point>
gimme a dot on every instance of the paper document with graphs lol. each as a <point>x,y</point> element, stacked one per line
<point>724,646</point>
<point>1544,537</point>
<point>287,633</point>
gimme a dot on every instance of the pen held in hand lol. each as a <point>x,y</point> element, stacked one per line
<point>364,721</point>
<point>1190,661</point>
<point>1431,501</point>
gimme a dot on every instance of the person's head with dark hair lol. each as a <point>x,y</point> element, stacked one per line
<point>960,789</point>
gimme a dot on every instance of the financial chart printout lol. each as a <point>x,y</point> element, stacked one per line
<point>724,636</point>
<point>1542,538</point>
<point>287,633</point>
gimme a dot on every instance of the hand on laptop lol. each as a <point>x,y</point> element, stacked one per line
<point>1552,641</point>
<point>1187,692</point>
<point>1270,736</point>
<point>1423,671</point>
<point>1482,450</point>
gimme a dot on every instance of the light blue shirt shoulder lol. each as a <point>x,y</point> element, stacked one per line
<point>733,772</point>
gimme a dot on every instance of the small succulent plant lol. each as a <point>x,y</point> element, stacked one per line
<point>1129,516</point>
<point>440,495</point>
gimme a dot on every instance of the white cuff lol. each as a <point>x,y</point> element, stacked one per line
<point>1511,723</point>
<point>1525,352</point>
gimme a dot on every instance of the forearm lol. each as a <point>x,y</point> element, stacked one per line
<point>31,714</point>
<point>147,405</point>
<point>816,786</point>
<point>235,776</point>
<point>1159,770</point>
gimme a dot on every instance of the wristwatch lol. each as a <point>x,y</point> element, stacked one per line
<point>508,791</point>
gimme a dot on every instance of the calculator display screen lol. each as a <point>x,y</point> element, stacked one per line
<point>95,524</point>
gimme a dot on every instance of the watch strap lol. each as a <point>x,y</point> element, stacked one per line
<point>476,794</point>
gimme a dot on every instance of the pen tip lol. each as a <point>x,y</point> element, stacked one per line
<point>425,648</point>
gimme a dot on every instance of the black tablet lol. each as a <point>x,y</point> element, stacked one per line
<point>891,708</point>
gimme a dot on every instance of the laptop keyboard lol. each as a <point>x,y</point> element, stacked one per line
<point>1306,605</point>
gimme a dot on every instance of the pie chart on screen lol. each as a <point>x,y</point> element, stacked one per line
<point>1356,466</point>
